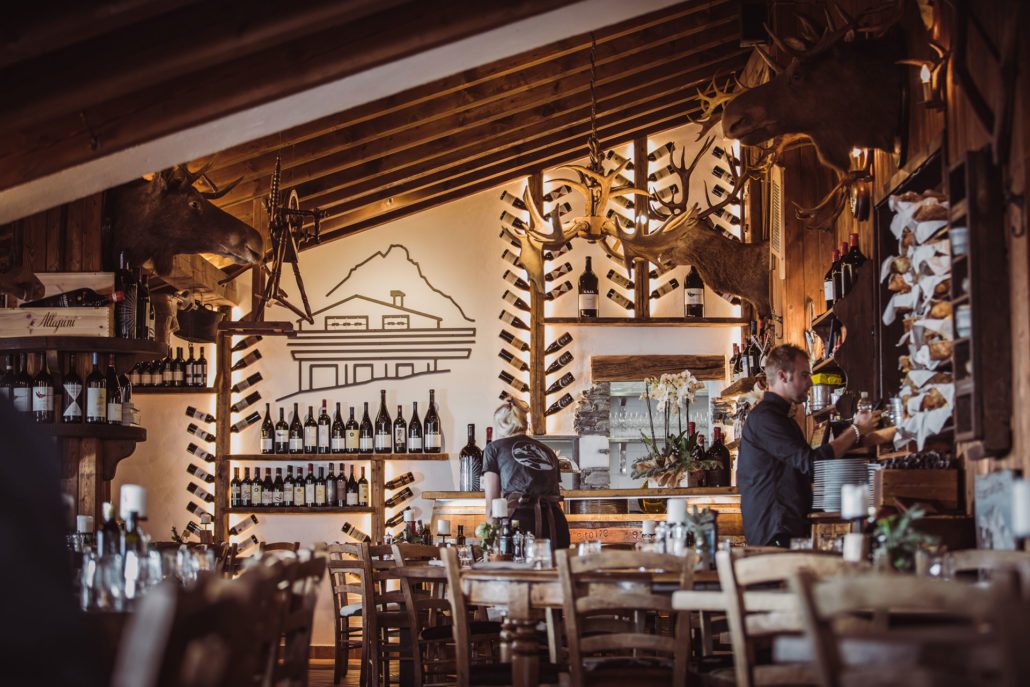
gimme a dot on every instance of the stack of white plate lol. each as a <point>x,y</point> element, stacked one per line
<point>873,491</point>
<point>830,476</point>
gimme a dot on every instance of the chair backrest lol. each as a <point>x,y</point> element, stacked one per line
<point>425,602</point>
<point>304,580</point>
<point>459,614</point>
<point>266,586</point>
<point>971,629</point>
<point>772,570</point>
<point>967,562</point>
<point>291,546</point>
<point>344,569</point>
<point>616,585</point>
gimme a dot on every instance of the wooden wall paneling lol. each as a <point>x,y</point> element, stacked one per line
<point>70,451</point>
<point>92,257</point>
<point>537,341</point>
<point>634,368</point>
<point>1019,266</point>
<point>55,244</point>
<point>641,293</point>
<point>89,491</point>
<point>377,499</point>
<point>34,236</point>
<point>223,435</point>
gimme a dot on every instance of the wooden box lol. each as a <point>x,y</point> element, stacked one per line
<point>63,321</point>
<point>939,486</point>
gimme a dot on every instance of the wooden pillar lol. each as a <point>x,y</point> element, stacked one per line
<point>377,499</point>
<point>641,292</point>
<point>537,340</point>
<point>223,421</point>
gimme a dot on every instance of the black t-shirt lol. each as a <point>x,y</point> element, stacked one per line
<point>524,465</point>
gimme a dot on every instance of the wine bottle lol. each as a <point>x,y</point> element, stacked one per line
<point>196,490</point>
<point>288,487</point>
<point>517,384</point>
<point>341,488</point>
<point>299,489</point>
<point>509,357</point>
<point>200,370</point>
<point>245,343</point>
<point>354,533</point>
<point>619,299</point>
<point>200,434</point>
<point>400,432</point>
<point>135,377</point>
<point>514,340</point>
<point>470,462</point>
<point>414,431</point>
<point>268,431</point>
<point>200,453</point>
<point>168,371</point>
<point>296,432</point>
<point>693,294</point>
<point>242,385</point>
<point>399,498</point>
<point>352,488</point>
<point>125,293</point>
<point>234,492</point>
<point>195,509</point>
<point>363,489</point>
<point>398,482</point>
<point>322,430</point>
<point>514,321</point>
<point>515,280</point>
<point>851,262</point>
<point>337,433</point>
<point>719,453</point>
<point>251,357</point>
<point>560,383</point>
<point>245,422</point>
<point>310,433</point>
<point>831,280</point>
<point>96,394</point>
<point>114,394</point>
<point>246,402</point>
<point>268,490</point>
<point>309,487</point>
<point>330,487</point>
<point>7,379</point>
<point>619,280</point>
<point>178,368</point>
<point>558,271</point>
<point>352,434</point>
<point>199,414</point>
<point>21,391</point>
<point>665,288</point>
<point>562,402</point>
<point>511,299</point>
<point>320,488</point>
<point>77,298</point>
<point>660,152</point>
<point>666,171</point>
<point>71,399</point>
<point>510,257</point>
<point>558,344</point>
<point>554,255</point>
<point>191,365</point>
<point>243,525</point>
<point>562,209</point>
<point>395,519</point>
<point>735,363</point>
<point>247,543</point>
<point>200,473</point>
<point>560,362</point>
<point>43,393</point>
<point>559,291</point>
<point>282,434</point>
<point>366,436</point>
<point>384,427</point>
<point>513,200</point>
<point>588,292</point>
<point>624,202</point>
<point>432,431</point>
<point>245,488</point>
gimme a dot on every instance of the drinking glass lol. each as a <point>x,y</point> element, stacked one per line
<point>538,554</point>
<point>588,547</point>
<point>109,584</point>
<point>87,578</point>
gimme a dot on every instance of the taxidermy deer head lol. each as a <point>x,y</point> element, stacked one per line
<point>839,91</point>
<point>167,216</point>
<point>16,275</point>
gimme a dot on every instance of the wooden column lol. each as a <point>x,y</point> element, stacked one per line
<point>223,421</point>
<point>537,340</point>
<point>377,499</point>
<point>641,292</point>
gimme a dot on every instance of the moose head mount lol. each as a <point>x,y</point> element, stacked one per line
<point>167,216</point>
<point>687,236</point>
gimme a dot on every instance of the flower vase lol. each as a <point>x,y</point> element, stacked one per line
<point>653,506</point>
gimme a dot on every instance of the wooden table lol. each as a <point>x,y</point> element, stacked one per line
<point>524,592</point>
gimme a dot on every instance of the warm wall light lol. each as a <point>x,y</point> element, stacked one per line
<point>924,77</point>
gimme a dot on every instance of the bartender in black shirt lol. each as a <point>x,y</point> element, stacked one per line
<point>775,463</point>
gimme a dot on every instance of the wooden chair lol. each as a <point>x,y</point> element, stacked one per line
<point>953,633</point>
<point>620,652</point>
<point>985,562</point>
<point>344,568</point>
<point>289,546</point>
<point>304,578</point>
<point>752,630</point>
<point>384,617</point>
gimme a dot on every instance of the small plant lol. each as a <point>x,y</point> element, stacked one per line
<point>486,533</point>
<point>700,522</point>
<point>900,540</point>
<point>176,537</point>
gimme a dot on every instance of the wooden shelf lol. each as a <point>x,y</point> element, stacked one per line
<point>649,322</point>
<point>823,413</point>
<point>823,320</point>
<point>827,365</point>
<point>82,430</point>
<point>247,328</point>
<point>300,510</point>
<point>601,493</point>
<point>154,390</point>
<point>738,388</point>
<point>85,344</point>
<point>334,457</point>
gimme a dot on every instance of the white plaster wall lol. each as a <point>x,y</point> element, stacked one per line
<point>459,251</point>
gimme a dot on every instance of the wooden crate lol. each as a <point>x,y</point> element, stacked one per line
<point>941,486</point>
<point>55,283</point>
<point>57,322</point>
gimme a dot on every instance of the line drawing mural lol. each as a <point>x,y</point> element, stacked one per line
<point>371,334</point>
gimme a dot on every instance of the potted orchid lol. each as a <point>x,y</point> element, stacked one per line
<point>672,458</point>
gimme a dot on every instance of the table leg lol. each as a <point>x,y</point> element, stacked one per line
<point>525,665</point>
<point>507,634</point>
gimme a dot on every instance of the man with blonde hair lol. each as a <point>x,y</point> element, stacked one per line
<point>775,465</point>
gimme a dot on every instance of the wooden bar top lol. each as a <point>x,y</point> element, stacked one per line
<point>601,493</point>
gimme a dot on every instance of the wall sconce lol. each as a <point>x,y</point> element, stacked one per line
<point>931,76</point>
<point>860,191</point>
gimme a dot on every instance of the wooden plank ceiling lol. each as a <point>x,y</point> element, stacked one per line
<point>490,124</point>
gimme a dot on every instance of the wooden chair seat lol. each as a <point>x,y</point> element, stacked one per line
<point>476,627</point>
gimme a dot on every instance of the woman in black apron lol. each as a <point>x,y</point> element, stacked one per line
<point>524,471</point>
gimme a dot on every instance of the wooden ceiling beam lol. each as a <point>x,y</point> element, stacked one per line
<point>192,39</point>
<point>468,79</point>
<point>307,159</point>
<point>481,179</point>
<point>508,143</point>
<point>545,106</point>
<point>52,143</point>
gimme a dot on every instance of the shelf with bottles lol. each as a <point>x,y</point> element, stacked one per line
<point>334,457</point>
<point>94,430</point>
<point>155,390</point>
<point>126,351</point>
<point>649,321</point>
<point>298,510</point>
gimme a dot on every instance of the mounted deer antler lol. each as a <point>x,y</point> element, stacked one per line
<point>711,113</point>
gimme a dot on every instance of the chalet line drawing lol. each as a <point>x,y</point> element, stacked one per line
<point>373,335</point>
